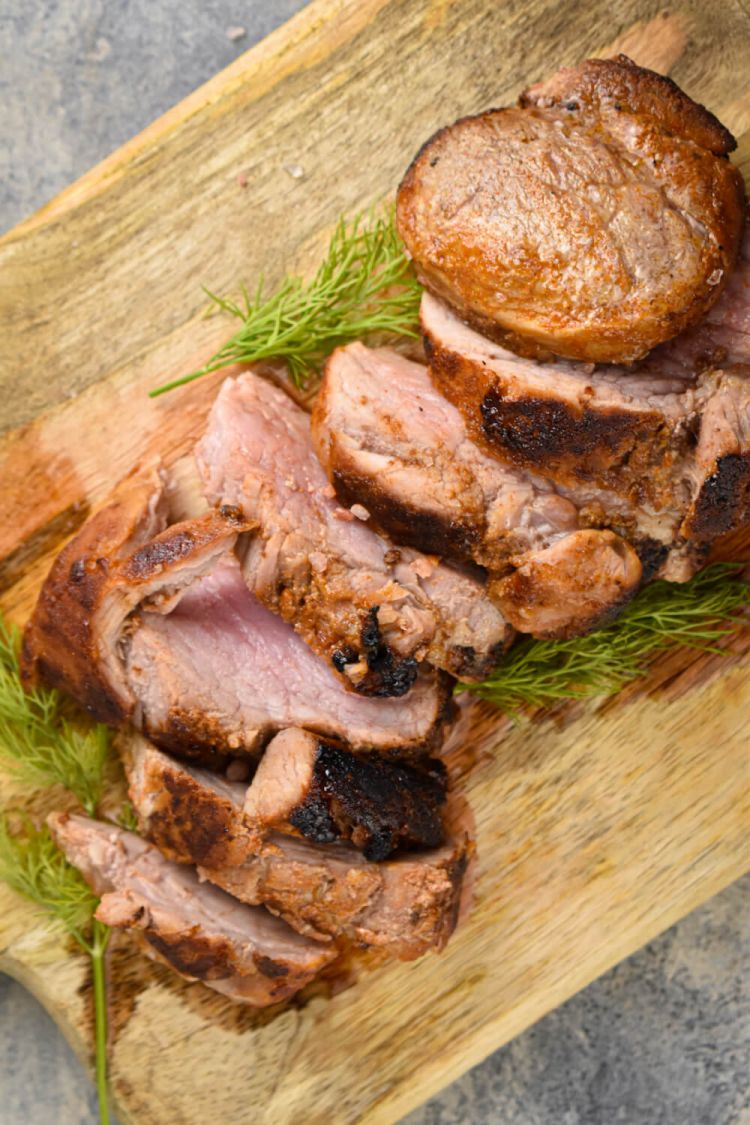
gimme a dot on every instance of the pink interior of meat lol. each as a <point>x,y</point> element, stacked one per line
<point>224,654</point>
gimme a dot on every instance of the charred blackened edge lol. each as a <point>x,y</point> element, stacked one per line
<point>652,554</point>
<point>194,738</point>
<point>193,955</point>
<point>467,664</point>
<point>538,433</point>
<point>387,675</point>
<point>377,805</point>
<point>723,502</point>
<point>429,532</point>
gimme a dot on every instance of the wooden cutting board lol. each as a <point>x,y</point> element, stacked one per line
<point>599,825</point>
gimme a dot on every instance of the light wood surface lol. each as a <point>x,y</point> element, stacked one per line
<point>599,825</point>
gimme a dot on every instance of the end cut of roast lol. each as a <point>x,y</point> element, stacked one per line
<point>594,220</point>
<point>201,932</point>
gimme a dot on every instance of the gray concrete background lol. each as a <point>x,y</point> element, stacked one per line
<point>663,1039</point>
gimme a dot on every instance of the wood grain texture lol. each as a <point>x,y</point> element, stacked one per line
<point>598,825</point>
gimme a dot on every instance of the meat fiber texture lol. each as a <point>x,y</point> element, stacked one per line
<point>157,628</point>
<point>405,906</point>
<point>374,612</point>
<point>595,220</point>
<point>204,934</point>
<point>386,435</point>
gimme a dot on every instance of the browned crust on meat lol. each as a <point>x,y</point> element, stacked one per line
<point>680,143</point>
<point>621,84</point>
<point>573,589</point>
<point>62,643</point>
<point>409,526</point>
<point>194,954</point>
<point>178,542</point>
<point>628,452</point>
<point>188,819</point>
<point>60,646</point>
<point>197,737</point>
<point>723,502</point>
<point>379,806</point>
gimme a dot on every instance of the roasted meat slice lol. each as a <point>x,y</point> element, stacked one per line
<point>216,675</point>
<point>220,674</point>
<point>123,558</point>
<point>596,219</point>
<point>374,613</point>
<point>240,950</point>
<point>643,452</point>
<point>308,786</point>
<point>385,434</point>
<point>406,906</point>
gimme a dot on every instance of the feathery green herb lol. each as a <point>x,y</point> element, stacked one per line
<point>33,865</point>
<point>364,286</point>
<point>697,614</point>
<point>41,745</point>
<point>38,742</point>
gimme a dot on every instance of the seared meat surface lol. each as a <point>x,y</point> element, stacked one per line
<point>123,558</point>
<point>406,906</point>
<point>240,950</point>
<point>646,452</point>
<point>220,674</point>
<point>374,613</point>
<point>596,219</point>
<point>307,786</point>
<point>385,434</point>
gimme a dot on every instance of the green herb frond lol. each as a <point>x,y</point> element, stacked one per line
<point>39,743</point>
<point>126,817</point>
<point>697,614</point>
<point>33,865</point>
<point>365,286</point>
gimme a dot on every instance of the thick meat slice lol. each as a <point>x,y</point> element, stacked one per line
<point>372,612</point>
<point>203,933</point>
<point>220,674</point>
<point>385,434</point>
<point>621,446</point>
<point>121,559</point>
<point>406,906</point>
<point>595,220</point>
<point>307,786</point>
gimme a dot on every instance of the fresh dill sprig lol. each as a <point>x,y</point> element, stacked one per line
<point>126,817</point>
<point>364,286</point>
<point>38,742</point>
<point>697,614</point>
<point>33,865</point>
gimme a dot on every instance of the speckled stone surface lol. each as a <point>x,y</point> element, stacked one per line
<point>663,1039</point>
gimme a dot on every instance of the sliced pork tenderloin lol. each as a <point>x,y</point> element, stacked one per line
<point>123,558</point>
<point>372,612</point>
<point>307,786</point>
<point>405,906</point>
<point>596,219</point>
<point>220,674</point>
<point>385,434</point>
<point>636,448</point>
<point>109,629</point>
<point>204,934</point>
